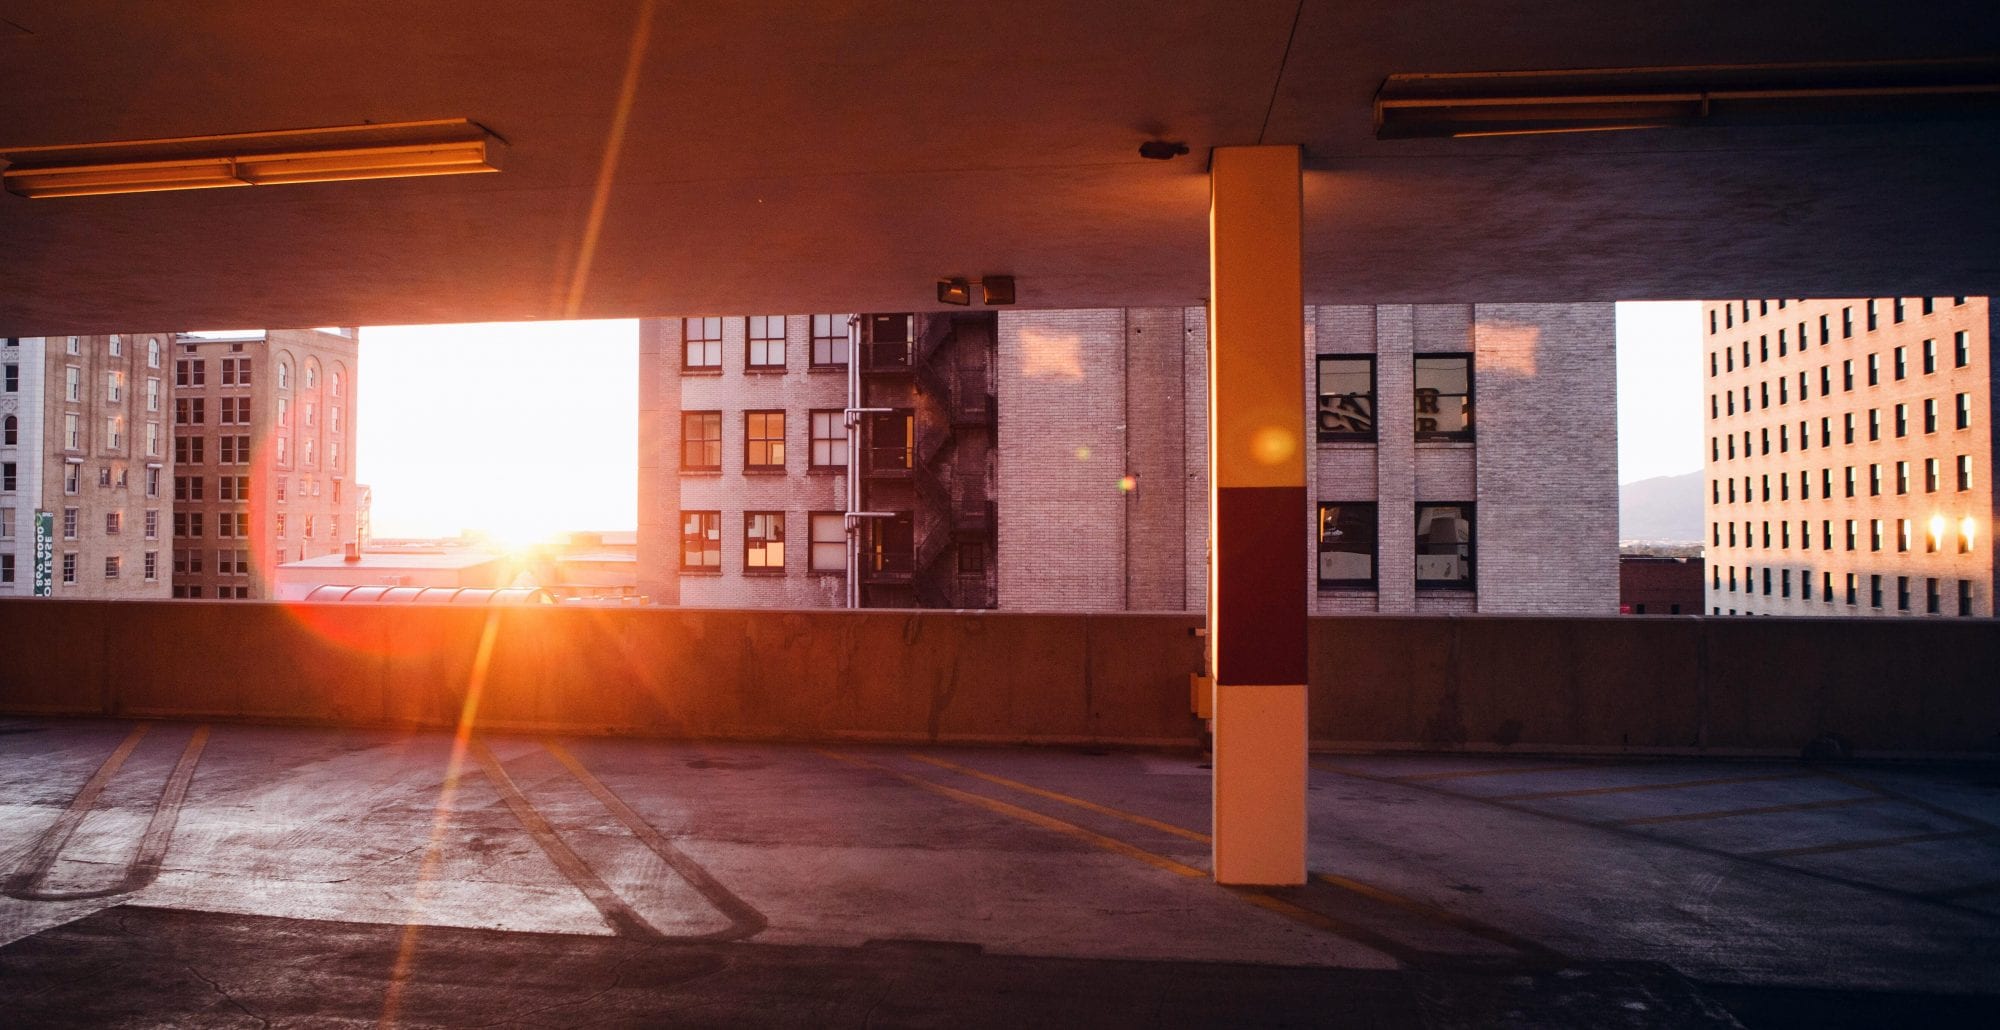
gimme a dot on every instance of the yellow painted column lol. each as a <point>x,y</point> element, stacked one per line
<point>1256,512</point>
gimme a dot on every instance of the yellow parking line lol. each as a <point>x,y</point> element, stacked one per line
<point>1634,788</point>
<point>1268,902</point>
<point>1138,820</point>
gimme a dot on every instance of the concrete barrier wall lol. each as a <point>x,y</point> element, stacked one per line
<point>1442,682</point>
<point>766,675</point>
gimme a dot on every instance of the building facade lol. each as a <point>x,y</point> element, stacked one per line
<point>263,447</point>
<point>1850,456</point>
<point>83,462</point>
<point>1056,460</point>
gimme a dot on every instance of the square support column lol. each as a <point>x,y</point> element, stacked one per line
<point>1257,515</point>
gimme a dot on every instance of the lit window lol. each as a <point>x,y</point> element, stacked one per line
<point>1444,396</point>
<point>701,540</point>
<point>1347,535</point>
<point>1444,545</point>
<point>701,343</point>
<point>829,440</point>
<point>763,440</point>
<point>701,440</point>
<point>764,541</point>
<point>764,339</point>
<point>1346,398</point>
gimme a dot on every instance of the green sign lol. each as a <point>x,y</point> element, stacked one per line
<point>45,553</point>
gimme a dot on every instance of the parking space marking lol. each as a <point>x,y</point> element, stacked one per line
<point>1297,913</point>
<point>617,914</point>
<point>1634,788</point>
<point>1913,802</point>
<point>1367,890</point>
<point>154,841</point>
<point>745,920</point>
<point>1731,813</point>
<point>23,884</point>
<point>1863,845</point>
<point>1466,774</point>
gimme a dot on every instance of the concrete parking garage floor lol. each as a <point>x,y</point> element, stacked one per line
<point>177,873</point>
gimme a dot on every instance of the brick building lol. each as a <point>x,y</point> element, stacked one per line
<point>1055,460</point>
<point>1850,456</point>
<point>263,455</point>
<point>82,440</point>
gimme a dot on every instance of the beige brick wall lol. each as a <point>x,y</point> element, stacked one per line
<point>668,490</point>
<point>1798,514</point>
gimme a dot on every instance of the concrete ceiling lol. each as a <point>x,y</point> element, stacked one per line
<point>822,156</point>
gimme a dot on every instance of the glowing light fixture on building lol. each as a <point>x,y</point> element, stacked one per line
<point>1966,530</point>
<point>454,146</point>
<point>1937,532</point>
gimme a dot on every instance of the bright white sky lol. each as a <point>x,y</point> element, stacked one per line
<point>517,429</point>
<point>522,430</point>
<point>1659,389</point>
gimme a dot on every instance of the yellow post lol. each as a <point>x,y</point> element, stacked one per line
<point>1257,515</point>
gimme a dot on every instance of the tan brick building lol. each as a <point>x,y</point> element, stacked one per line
<point>83,439</point>
<point>263,442</point>
<point>1850,456</point>
<point>1093,457</point>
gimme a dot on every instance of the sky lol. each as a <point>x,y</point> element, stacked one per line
<point>1659,389</point>
<point>522,430</point>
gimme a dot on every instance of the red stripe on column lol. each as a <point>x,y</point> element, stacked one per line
<point>1260,617</point>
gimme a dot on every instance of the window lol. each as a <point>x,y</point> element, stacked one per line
<point>1965,597</point>
<point>72,431</point>
<point>190,411</point>
<point>152,352</point>
<point>1874,369</point>
<point>72,477</point>
<point>112,563</point>
<point>1961,349</point>
<point>312,374</point>
<point>1931,599</point>
<point>1874,534</point>
<point>190,372</point>
<point>1852,584</point>
<point>763,440</point>
<point>69,562</point>
<point>829,440</point>
<point>152,439</point>
<point>701,343</point>
<point>1875,591</point>
<point>1444,396</point>
<point>1874,480</point>
<point>1347,546</point>
<point>1444,545</point>
<point>763,541</point>
<point>1902,534</point>
<point>280,528</point>
<point>1964,411</point>
<point>1930,414</point>
<point>1902,420</point>
<point>1847,374</point>
<point>1965,472</point>
<point>1930,356</point>
<point>1902,477</point>
<point>187,488</point>
<point>1874,313</point>
<point>10,378</point>
<point>69,523</point>
<point>153,481</point>
<point>284,375</point>
<point>701,441</point>
<point>152,523</point>
<point>1850,534</point>
<point>1346,398</point>
<point>1874,424</point>
<point>829,340</point>
<point>114,523</point>
<point>764,340</point>
<point>6,567</point>
<point>701,540</point>
<point>10,431</point>
<point>829,541</point>
<point>311,523</point>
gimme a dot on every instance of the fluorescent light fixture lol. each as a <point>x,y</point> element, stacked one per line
<point>453,146</point>
<point>1469,104</point>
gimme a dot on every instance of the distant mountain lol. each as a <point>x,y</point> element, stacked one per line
<point>1664,508</point>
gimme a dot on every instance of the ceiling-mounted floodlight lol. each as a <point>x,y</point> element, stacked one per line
<point>453,146</point>
<point>1162,149</point>
<point>1462,104</point>
<point>954,291</point>
<point>996,289</point>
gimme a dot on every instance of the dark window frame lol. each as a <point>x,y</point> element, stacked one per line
<point>751,444</point>
<point>813,543</point>
<point>1320,395</point>
<point>688,341</point>
<point>833,322</point>
<point>813,439</point>
<point>688,441</point>
<point>1371,512</point>
<point>763,542</point>
<point>707,518</point>
<point>1470,581</point>
<point>751,340</point>
<point>1471,401</point>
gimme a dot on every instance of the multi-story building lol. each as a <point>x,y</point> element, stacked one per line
<point>1850,456</point>
<point>83,456</point>
<point>1055,460</point>
<point>263,455</point>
